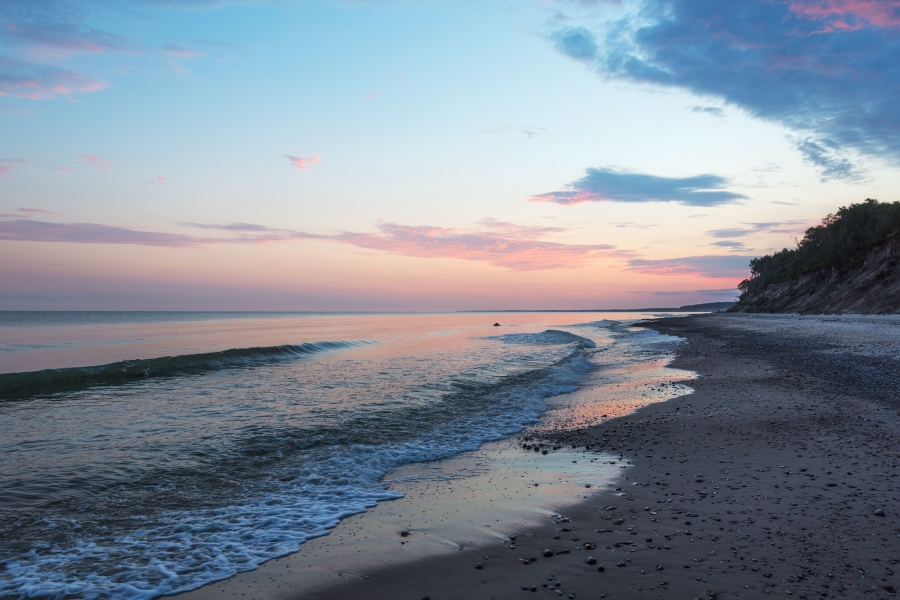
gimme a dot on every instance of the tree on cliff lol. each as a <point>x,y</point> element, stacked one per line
<point>840,243</point>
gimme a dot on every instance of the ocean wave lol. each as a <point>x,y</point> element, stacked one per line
<point>549,337</point>
<point>317,478</point>
<point>14,386</point>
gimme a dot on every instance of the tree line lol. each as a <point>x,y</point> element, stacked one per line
<point>840,243</point>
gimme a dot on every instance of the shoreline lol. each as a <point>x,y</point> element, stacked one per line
<point>769,480</point>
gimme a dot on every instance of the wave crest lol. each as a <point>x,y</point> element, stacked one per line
<point>48,381</point>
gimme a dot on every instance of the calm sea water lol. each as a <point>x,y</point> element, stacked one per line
<point>149,453</point>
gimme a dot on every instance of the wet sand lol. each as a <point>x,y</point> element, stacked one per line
<point>776,477</point>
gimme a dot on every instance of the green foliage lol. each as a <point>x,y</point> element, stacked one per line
<point>839,244</point>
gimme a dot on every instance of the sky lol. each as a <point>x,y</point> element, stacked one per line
<point>429,154</point>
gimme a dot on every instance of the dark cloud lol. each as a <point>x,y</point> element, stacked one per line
<point>732,245</point>
<point>576,42</point>
<point>610,185</point>
<point>705,266</point>
<point>829,71</point>
<point>709,110</point>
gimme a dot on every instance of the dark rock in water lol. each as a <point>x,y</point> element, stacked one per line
<point>479,566</point>
<point>879,512</point>
<point>591,560</point>
<point>548,553</point>
<point>496,324</point>
<point>404,534</point>
<point>600,568</point>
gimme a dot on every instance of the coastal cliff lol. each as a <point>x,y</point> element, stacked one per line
<point>873,288</point>
<point>848,264</point>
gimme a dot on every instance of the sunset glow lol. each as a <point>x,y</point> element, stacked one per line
<point>382,155</point>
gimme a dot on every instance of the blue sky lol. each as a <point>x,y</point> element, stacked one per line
<point>429,155</point>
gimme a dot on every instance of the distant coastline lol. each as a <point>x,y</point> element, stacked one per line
<point>705,307</point>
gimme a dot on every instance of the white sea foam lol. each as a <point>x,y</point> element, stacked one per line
<point>185,549</point>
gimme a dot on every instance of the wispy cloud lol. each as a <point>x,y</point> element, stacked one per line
<point>632,225</point>
<point>36,41</point>
<point>611,185</point>
<point>704,266</point>
<point>825,154</point>
<point>774,226</point>
<point>100,163</point>
<point>530,131</point>
<point>302,164</point>
<point>823,68</point>
<point>732,245</point>
<point>91,233</point>
<point>31,211</point>
<point>497,243</point>
<point>8,165</point>
<point>179,51</point>
<point>709,110</point>
<point>849,15</point>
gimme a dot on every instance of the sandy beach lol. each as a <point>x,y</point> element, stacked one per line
<point>776,477</point>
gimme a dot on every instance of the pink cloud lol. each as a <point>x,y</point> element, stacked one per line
<point>302,164</point>
<point>62,169</point>
<point>8,165</point>
<point>496,243</point>
<point>100,163</point>
<point>42,83</point>
<point>158,180</point>
<point>849,14</point>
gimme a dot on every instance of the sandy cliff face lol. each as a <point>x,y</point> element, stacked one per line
<point>873,288</point>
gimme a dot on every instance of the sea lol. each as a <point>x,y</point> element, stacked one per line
<point>150,453</point>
